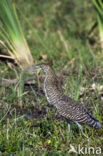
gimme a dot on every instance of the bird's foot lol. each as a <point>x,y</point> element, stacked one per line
<point>81,129</point>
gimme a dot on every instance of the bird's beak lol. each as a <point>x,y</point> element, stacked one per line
<point>33,68</point>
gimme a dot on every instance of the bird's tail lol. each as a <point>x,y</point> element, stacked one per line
<point>93,122</point>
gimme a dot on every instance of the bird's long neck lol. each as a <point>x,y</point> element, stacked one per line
<point>52,89</point>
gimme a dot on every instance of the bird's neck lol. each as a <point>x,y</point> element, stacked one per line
<point>52,88</point>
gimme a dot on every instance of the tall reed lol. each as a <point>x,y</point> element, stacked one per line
<point>12,36</point>
<point>98,4</point>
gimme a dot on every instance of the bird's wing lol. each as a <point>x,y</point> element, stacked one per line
<point>73,111</point>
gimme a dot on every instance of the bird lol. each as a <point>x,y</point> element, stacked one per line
<point>72,111</point>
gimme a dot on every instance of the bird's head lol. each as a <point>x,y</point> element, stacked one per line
<point>43,66</point>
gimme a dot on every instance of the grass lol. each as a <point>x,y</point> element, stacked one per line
<point>99,10</point>
<point>12,35</point>
<point>57,33</point>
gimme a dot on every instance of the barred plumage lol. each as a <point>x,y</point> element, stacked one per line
<point>68,108</point>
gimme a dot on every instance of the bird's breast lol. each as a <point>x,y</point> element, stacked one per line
<point>52,90</point>
<point>50,95</point>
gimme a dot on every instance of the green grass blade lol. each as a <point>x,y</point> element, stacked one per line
<point>12,34</point>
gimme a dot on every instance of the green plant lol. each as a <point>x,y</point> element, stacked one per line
<point>12,36</point>
<point>98,4</point>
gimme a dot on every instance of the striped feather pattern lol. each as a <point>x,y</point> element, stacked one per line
<point>66,107</point>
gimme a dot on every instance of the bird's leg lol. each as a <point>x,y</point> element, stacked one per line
<point>81,129</point>
<point>70,131</point>
<point>69,127</point>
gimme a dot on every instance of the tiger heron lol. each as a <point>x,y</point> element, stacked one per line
<point>72,111</point>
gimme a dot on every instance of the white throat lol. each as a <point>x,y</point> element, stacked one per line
<point>45,88</point>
